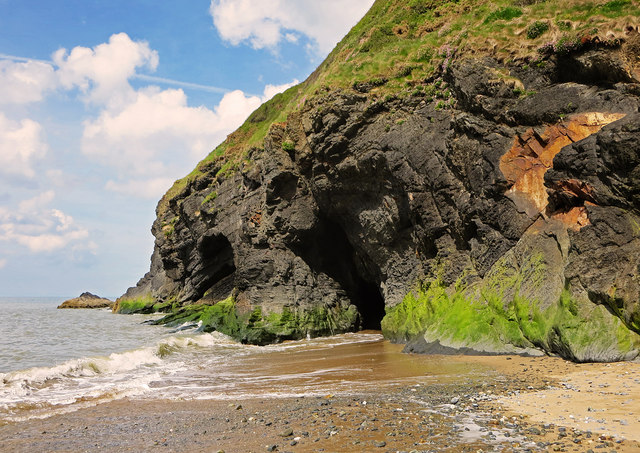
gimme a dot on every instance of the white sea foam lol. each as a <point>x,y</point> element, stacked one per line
<point>180,363</point>
<point>99,379</point>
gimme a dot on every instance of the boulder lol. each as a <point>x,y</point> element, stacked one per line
<point>87,300</point>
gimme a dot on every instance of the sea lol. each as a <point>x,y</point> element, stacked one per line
<point>55,361</point>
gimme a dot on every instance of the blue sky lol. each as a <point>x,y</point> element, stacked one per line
<point>104,103</point>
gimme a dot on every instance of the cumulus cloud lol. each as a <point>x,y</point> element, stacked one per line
<point>151,188</point>
<point>103,73</point>
<point>158,135</point>
<point>149,136</point>
<point>23,82</point>
<point>265,23</point>
<point>41,229</point>
<point>271,90</point>
<point>21,145</point>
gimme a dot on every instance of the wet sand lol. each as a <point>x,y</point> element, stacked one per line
<point>502,410</point>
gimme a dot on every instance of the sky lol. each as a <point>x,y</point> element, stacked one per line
<point>105,103</point>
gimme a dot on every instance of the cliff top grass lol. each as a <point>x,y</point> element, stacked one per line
<point>400,45</point>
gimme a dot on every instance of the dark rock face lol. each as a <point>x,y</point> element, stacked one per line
<point>87,300</point>
<point>377,195</point>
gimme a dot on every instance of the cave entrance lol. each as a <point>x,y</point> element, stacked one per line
<point>330,252</point>
<point>370,304</point>
<point>214,280</point>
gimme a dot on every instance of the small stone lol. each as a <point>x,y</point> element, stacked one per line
<point>272,447</point>
<point>286,433</point>
<point>455,400</point>
<point>379,443</point>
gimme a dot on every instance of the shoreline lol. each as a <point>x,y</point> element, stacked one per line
<point>504,409</point>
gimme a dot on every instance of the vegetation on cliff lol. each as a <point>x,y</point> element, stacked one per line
<point>399,49</point>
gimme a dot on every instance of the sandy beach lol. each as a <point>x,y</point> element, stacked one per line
<point>521,404</point>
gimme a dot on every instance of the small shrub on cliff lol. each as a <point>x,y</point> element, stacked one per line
<point>563,46</point>
<point>615,6</point>
<point>536,29</point>
<point>506,13</point>
<point>288,146</point>
<point>212,196</point>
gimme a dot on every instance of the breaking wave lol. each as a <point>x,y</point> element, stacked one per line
<point>99,379</point>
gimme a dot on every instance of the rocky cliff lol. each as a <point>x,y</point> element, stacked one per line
<point>460,174</point>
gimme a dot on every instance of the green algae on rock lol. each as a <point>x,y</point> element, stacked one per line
<point>254,327</point>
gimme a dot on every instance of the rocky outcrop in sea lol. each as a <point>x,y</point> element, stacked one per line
<point>87,300</point>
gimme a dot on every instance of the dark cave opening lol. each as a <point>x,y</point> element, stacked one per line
<point>215,277</point>
<point>330,252</point>
<point>370,305</point>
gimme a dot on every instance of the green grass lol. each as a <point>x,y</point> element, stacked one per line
<point>288,146</point>
<point>209,198</point>
<point>506,13</point>
<point>536,29</point>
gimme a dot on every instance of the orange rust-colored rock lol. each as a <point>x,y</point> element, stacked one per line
<point>531,155</point>
<point>575,219</point>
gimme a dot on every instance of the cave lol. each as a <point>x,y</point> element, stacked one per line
<point>370,304</point>
<point>214,278</point>
<point>330,252</point>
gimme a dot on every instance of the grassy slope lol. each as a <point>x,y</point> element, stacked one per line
<point>399,45</point>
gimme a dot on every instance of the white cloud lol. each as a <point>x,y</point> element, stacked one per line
<point>103,73</point>
<point>158,136</point>
<point>41,229</point>
<point>25,82</point>
<point>36,203</point>
<point>271,90</point>
<point>3,263</point>
<point>148,136</point>
<point>265,23</point>
<point>151,188</point>
<point>21,144</point>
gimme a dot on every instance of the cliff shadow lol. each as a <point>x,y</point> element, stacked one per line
<point>215,278</point>
<point>329,251</point>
